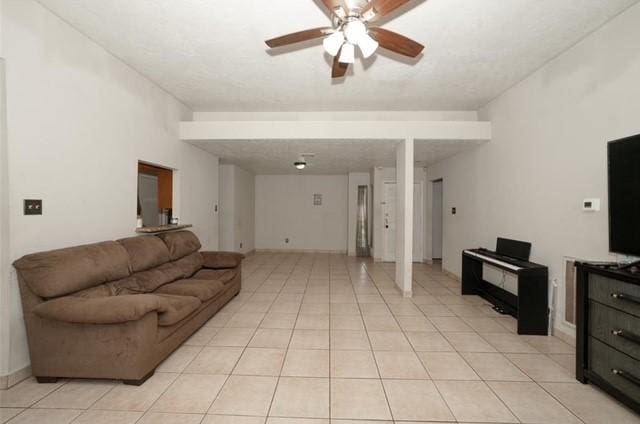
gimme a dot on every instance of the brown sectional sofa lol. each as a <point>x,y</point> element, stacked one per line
<point>116,309</point>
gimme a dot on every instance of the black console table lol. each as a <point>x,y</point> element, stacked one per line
<point>526,299</point>
<point>608,330</point>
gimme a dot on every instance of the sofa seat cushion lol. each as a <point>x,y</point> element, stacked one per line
<point>188,265</point>
<point>221,260</point>
<point>202,289</point>
<point>225,276</point>
<point>179,307</point>
<point>117,309</point>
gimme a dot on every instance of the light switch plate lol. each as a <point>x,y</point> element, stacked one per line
<point>591,205</point>
<point>33,206</point>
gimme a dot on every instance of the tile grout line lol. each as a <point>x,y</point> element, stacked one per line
<point>275,390</point>
<point>416,354</point>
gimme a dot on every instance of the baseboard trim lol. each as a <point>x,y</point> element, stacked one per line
<point>332,252</point>
<point>565,332</point>
<point>8,381</point>
<point>450,274</point>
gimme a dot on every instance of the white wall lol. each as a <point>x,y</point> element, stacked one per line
<point>78,122</point>
<point>5,294</point>
<point>237,209</point>
<point>356,179</point>
<point>227,207</point>
<point>548,153</point>
<point>284,209</point>
<point>244,223</point>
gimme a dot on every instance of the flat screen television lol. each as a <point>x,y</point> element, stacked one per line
<point>624,195</point>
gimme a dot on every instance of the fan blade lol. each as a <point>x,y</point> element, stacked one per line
<point>395,42</point>
<point>339,69</point>
<point>298,37</point>
<point>383,7</point>
<point>332,5</point>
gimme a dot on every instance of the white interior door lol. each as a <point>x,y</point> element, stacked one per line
<point>436,225</point>
<point>389,222</point>
<point>418,222</point>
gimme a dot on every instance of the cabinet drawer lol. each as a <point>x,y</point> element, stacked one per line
<point>617,369</point>
<point>617,329</point>
<point>617,294</point>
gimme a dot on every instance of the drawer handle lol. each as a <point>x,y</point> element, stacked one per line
<point>626,335</point>
<point>629,298</point>
<point>626,376</point>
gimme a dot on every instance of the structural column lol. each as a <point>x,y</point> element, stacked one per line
<point>404,216</point>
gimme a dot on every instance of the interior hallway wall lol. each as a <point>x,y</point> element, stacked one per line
<point>285,210</point>
<point>79,120</point>
<point>549,152</point>
<point>237,209</point>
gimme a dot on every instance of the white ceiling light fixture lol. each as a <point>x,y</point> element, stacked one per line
<point>333,43</point>
<point>302,162</point>
<point>356,33</point>
<point>348,53</point>
<point>353,33</point>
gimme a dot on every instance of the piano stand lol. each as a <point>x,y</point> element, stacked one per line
<point>528,302</point>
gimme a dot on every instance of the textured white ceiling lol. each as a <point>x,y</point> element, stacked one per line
<point>331,156</point>
<point>211,55</point>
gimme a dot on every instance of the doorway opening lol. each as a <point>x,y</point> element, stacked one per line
<point>155,195</point>
<point>389,222</point>
<point>437,225</point>
<point>362,222</point>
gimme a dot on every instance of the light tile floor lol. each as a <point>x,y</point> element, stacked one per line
<point>319,339</point>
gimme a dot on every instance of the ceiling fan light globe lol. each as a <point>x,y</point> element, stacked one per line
<point>300,165</point>
<point>355,31</point>
<point>368,46</point>
<point>333,43</point>
<point>348,54</point>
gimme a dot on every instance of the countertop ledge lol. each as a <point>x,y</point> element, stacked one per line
<point>162,229</point>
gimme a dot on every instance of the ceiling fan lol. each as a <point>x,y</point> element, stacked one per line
<point>352,21</point>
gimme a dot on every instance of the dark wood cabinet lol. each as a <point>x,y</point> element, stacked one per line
<point>608,331</point>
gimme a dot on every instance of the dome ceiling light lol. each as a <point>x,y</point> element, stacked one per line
<point>302,162</point>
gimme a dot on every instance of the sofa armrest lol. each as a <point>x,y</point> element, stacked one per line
<point>104,310</point>
<point>221,260</point>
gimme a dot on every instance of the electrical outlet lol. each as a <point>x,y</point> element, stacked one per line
<point>240,245</point>
<point>286,241</point>
<point>32,207</point>
<point>454,211</point>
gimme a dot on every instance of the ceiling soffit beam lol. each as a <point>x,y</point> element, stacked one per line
<point>334,130</point>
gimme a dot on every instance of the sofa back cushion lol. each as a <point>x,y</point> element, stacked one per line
<point>146,281</point>
<point>145,252</point>
<point>64,271</point>
<point>180,243</point>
